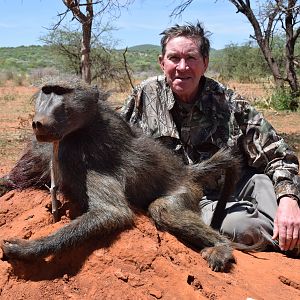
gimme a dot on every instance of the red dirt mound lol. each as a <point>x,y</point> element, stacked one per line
<point>139,263</point>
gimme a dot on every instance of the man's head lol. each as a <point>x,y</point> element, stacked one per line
<point>191,31</point>
<point>184,59</point>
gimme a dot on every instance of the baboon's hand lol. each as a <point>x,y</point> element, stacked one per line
<point>13,248</point>
<point>5,185</point>
<point>219,258</point>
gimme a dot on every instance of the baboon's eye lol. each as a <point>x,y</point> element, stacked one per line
<point>56,89</point>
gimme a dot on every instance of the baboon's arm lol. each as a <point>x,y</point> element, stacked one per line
<point>107,212</point>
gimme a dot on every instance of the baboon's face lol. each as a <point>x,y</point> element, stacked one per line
<point>60,110</point>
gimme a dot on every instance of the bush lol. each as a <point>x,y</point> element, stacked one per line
<point>281,99</point>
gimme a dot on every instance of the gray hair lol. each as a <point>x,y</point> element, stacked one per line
<point>195,32</point>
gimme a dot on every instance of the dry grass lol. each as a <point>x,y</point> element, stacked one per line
<point>15,120</point>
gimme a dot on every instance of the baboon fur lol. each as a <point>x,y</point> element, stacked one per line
<point>109,167</point>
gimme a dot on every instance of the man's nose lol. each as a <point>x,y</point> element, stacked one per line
<point>182,65</point>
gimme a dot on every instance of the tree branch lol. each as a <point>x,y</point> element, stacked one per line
<point>126,67</point>
<point>178,10</point>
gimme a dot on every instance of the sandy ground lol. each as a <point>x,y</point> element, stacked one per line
<point>138,263</point>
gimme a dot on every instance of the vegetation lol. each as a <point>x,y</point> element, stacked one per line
<point>34,60</point>
<point>242,63</point>
<point>25,59</point>
<point>143,60</point>
<point>87,13</point>
<point>106,64</point>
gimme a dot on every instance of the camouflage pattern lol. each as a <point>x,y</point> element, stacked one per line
<point>219,118</point>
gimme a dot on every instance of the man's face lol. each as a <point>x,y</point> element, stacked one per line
<point>183,67</point>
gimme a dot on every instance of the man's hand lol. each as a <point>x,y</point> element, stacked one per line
<point>287,224</point>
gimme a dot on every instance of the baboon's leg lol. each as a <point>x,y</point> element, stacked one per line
<point>108,211</point>
<point>177,215</point>
<point>33,168</point>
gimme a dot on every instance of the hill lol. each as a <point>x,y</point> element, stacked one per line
<point>145,48</point>
<point>142,59</point>
<point>26,58</point>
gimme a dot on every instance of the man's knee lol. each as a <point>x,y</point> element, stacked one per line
<point>259,190</point>
<point>245,230</point>
<point>262,179</point>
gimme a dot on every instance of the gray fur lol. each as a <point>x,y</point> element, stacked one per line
<point>108,167</point>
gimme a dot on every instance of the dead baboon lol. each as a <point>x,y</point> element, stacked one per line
<point>107,167</point>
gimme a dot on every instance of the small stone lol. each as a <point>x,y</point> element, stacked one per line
<point>66,278</point>
<point>155,293</point>
<point>120,275</point>
<point>27,235</point>
<point>8,196</point>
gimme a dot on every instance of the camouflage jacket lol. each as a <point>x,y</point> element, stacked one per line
<point>219,118</point>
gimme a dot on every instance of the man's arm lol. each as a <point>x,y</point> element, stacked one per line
<point>268,153</point>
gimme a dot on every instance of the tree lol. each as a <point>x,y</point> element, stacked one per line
<point>106,63</point>
<point>86,19</point>
<point>232,61</point>
<point>66,44</point>
<point>268,17</point>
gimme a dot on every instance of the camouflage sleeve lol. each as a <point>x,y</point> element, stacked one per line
<point>267,151</point>
<point>130,109</point>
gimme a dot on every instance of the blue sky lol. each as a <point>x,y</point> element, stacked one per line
<point>23,22</point>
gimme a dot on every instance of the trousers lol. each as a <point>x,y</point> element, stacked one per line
<point>249,214</point>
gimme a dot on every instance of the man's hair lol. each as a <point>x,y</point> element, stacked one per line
<point>195,32</point>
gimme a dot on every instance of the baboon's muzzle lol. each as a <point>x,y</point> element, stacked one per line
<point>44,129</point>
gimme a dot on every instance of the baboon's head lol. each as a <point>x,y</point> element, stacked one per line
<point>61,108</point>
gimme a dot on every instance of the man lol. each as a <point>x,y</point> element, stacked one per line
<point>195,116</point>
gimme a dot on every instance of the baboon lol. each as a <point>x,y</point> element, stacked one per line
<point>109,167</point>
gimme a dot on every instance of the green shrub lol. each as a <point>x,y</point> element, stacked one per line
<point>281,99</point>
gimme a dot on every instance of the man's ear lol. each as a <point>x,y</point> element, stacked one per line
<point>161,62</point>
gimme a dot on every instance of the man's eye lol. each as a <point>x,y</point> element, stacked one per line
<point>174,59</point>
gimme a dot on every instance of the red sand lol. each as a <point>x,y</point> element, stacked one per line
<point>139,263</point>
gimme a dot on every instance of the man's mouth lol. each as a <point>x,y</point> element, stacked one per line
<point>182,78</point>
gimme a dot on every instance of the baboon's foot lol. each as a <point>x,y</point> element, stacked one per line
<point>219,258</point>
<point>14,249</point>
